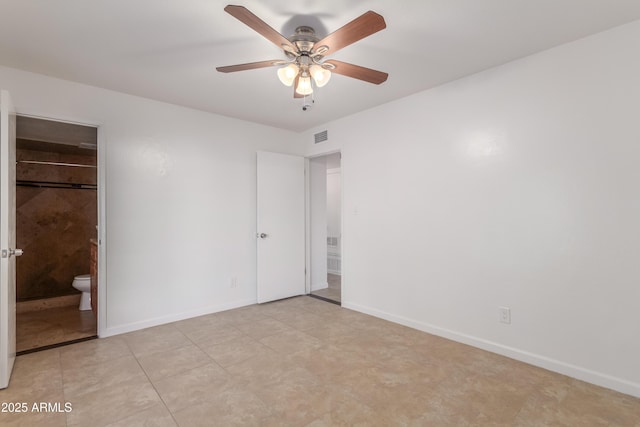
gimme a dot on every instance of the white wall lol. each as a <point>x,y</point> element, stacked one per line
<point>519,187</point>
<point>180,198</point>
<point>318,219</point>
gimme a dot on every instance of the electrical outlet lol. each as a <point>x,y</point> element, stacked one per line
<point>234,282</point>
<point>505,315</point>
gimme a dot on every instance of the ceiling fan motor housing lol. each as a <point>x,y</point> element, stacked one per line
<point>304,39</point>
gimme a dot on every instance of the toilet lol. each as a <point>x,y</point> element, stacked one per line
<point>83,284</point>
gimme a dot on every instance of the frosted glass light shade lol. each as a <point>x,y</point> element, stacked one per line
<point>288,74</point>
<point>304,86</point>
<point>320,75</point>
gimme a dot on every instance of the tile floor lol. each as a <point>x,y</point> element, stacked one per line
<point>334,291</point>
<point>41,328</point>
<point>298,362</point>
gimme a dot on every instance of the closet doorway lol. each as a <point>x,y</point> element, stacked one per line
<point>325,183</point>
<point>56,226</point>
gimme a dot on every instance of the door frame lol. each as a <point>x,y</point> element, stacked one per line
<point>307,192</point>
<point>102,217</point>
<point>8,269</point>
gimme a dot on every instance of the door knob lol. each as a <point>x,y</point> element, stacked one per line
<point>262,235</point>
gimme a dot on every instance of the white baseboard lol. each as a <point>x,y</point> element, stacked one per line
<point>130,327</point>
<point>587,375</point>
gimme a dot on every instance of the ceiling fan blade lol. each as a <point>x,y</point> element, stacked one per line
<point>358,72</point>
<point>245,16</point>
<point>249,66</point>
<point>361,27</point>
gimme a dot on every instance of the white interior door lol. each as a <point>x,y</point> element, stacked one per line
<point>7,238</point>
<point>280,226</point>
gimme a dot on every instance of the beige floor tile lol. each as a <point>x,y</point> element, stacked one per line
<point>370,347</point>
<point>235,351</point>
<point>299,319</point>
<point>265,367</point>
<point>36,362</point>
<point>348,410</point>
<point>296,398</point>
<point>110,373</point>
<point>291,341</point>
<point>109,404</point>
<point>30,397</point>
<point>171,362</point>
<point>156,416</point>
<point>192,387</point>
<point>585,403</point>
<point>329,363</point>
<point>442,412</point>
<point>208,336</point>
<point>241,315</point>
<point>400,394</point>
<point>295,302</point>
<point>336,313</point>
<point>504,399</point>
<point>276,309</point>
<point>33,419</point>
<point>36,377</point>
<point>233,406</point>
<point>158,338</point>
<point>209,322</point>
<point>542,406</point>
<point>300,362</point>
<point>93,352</point>
<point>333,331</point>
<point>263,328</point>
<point>322,308</point>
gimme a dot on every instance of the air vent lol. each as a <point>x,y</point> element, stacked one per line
<point>321,137</point>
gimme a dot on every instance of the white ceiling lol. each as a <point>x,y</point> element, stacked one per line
<point>168,49</point>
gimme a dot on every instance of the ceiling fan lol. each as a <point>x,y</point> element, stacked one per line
<point>305,52</point>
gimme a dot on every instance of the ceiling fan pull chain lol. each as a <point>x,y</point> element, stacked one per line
<point>307,103</point>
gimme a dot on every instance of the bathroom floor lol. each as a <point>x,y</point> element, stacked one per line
<point>334,291</point>
<point>41,328</point>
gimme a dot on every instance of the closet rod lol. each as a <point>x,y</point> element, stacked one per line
<point>50,184</point>
<point>75,165</point>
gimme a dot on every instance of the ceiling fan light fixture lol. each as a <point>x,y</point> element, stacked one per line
<point>304,66</point>
<point>304,86</point>
<point>321,76</point>
<point>288,74</point>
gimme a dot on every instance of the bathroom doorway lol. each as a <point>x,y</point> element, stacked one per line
<point>56,226</point>
<point>325,183</point>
